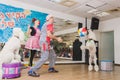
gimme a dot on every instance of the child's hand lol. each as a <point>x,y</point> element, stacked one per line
<point>59,39</point>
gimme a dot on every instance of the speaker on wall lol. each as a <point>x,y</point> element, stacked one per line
<point>79,25</point>
<point>94,23</point>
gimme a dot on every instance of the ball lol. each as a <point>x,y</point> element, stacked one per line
<point>82,32</point>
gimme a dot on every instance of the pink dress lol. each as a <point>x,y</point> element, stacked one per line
<point>33,42</point>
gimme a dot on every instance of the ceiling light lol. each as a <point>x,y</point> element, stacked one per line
<point>97,12</point>
<point>103,14</point>
<point>92,11</point>
<point>68,3</point>
<point>57,1</point>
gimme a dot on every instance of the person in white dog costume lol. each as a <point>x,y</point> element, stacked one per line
<point>91,46</point>
<point>10,52</point>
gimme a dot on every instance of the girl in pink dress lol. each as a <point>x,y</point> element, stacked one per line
<point>33,41</point>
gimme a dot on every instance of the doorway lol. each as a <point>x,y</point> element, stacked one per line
<point>107,46</point>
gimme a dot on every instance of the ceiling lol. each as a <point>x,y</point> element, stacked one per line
<point>80,8</point>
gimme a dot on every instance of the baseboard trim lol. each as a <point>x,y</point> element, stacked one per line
<point>117,64</point>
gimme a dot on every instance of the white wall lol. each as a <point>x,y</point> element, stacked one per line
<point>113,25</point>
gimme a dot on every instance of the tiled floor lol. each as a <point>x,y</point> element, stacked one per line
<point>71,72</point>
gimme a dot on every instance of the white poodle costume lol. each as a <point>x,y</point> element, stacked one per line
<point>91,46</point>
<point>10,52</point>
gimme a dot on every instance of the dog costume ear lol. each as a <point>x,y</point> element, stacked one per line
<point>18,33</point>
<point>91,35</point>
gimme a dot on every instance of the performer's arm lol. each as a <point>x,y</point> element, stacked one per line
<point>52,36</point>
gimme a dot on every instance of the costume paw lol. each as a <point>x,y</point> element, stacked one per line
<point>90,67</point>
<point>96,68</point>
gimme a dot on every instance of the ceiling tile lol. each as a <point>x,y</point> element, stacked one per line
<point>107,17</point>
<point>82,1</point>
<point>79,9</point>
<point>47,4</point>
<point>82,11</point>
<point>84,8</point>
<point>95,3</point>
<point>115,3</point>
<point>106,7</point>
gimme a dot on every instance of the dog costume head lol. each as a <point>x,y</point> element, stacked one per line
<point>17,32</point>
<point>91,35</point>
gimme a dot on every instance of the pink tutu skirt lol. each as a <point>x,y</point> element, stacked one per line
<point>33,43</point>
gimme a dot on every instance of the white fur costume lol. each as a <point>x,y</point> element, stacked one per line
<point>10,52</point>
<point>90,45</point>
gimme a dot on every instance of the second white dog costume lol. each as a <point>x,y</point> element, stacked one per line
<point>91,46</point>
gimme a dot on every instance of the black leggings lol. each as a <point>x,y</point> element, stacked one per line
<point>32,53</point>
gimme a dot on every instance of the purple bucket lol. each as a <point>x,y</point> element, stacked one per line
<point>11,70</point>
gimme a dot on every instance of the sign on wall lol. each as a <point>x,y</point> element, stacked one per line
<point>11,17</point>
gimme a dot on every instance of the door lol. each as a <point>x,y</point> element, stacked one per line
<point>107,46</point>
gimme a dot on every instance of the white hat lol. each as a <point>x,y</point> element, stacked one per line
<point>49,16</point>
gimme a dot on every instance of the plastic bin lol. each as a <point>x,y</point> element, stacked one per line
<point>106,65</point>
